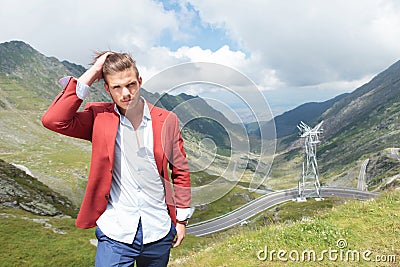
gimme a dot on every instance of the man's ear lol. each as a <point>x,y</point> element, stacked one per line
<point>140,81</point>
<point>106,87</point>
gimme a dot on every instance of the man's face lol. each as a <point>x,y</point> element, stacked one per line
<point>124,89</point>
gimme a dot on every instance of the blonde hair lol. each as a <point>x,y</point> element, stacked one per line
<point>116,62</point>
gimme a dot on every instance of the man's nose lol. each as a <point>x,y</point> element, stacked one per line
<point>125,91</point>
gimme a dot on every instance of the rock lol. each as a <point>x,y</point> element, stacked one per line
<point>93,242</point>
<point>59,231</point>
<point>43,209</point>
<point>202,207</point>
<point>244,196</point>
<point>20,190</point>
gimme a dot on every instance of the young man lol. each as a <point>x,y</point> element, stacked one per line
<point>129,197</point>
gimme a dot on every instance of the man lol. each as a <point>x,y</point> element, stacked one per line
<point>129,197</point>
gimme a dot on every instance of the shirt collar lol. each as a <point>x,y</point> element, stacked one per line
<point>146,111</point>
<point>146,115</point>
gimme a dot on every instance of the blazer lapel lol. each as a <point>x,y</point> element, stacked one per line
<point>157,123</point>
<point>110,122</point>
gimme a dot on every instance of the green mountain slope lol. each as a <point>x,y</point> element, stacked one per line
<point>353,234</point>
<point>197,116</point>
<point>21,65</point>
<point>365,102</point>
<point>28,84</point>
<point>20,190</point>
<point>365,121</point>
<point>357,126</point>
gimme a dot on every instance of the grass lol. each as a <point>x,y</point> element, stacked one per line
<point>295,211</point>
<point>285,173</point>
<point>234,199</point>
<point>52,158</point>
<point>364,226</point>
<point>29,243</point>
<point>369,226</point>
<point>288,212</point>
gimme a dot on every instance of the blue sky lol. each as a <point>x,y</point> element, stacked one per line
<point>201,34</point>
<point>295,51</point>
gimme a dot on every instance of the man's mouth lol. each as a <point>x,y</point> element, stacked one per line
<point>127,101</point>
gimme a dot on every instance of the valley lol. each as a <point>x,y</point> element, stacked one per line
<point>361,135</point>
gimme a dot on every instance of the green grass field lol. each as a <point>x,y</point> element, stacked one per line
<point>34,243</point>
<point>370,227</point>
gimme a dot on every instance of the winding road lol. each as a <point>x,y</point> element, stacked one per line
<point>265,202</point>
<point>362,184</point>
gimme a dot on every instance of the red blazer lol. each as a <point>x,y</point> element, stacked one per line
<point>98,123</point>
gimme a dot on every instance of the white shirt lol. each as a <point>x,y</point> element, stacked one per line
<point>137,190</point>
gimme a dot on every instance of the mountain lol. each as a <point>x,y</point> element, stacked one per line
<point>342,111</point>
<point>199,117</point>
<point>359,125</point>
<point>28,84</point>
<point>286,123</point>
<point>23,64</point>
<point>366,102</point>
<point>365,121</point>
<point>20,63</point>
<point>356,125</point>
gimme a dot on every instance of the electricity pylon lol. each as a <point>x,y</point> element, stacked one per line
<point>310,166</point>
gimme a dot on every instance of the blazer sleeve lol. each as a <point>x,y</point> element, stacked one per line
<point>178,163</point>
<point>63,117</point>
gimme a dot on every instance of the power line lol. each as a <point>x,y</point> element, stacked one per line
<point>310,171</point>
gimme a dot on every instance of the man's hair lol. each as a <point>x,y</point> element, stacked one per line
<point>116,62</point>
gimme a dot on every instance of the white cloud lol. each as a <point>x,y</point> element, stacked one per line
<point>165,58</point>
<point>311,42</point>
<point>296,51</point>
<point>74,29</point>
<point>286,98</point>
<point>222,56</point>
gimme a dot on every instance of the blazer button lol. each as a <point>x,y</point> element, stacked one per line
<point>107,197</point>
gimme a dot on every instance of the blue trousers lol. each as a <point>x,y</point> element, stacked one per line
<point>113,253</point>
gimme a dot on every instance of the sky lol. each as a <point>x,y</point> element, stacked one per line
<point>294,51</point>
